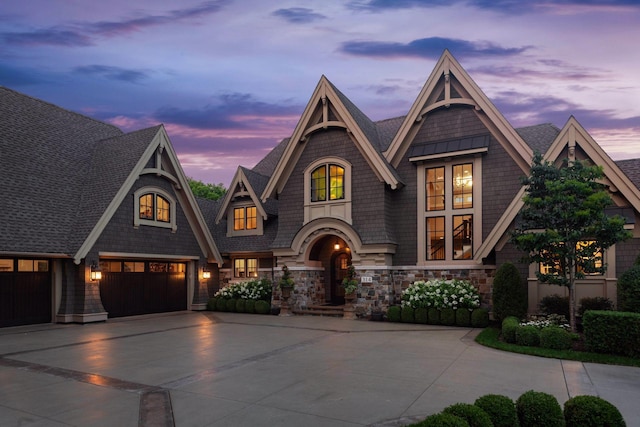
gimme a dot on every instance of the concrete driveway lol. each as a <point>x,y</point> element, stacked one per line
<point>228,369</point>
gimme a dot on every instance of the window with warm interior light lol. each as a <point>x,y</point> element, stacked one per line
<point>245,267</point>
<point>245,218</point>
<point>597,263</point>
<point>327,190</point>
<point>154,207</point>
<point>328,176</point>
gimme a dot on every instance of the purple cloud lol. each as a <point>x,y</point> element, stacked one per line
<point>431,48</point>
<point>83,34</point>
<point>112,73</point>
<point>13,76</point>
<point>299,15</point>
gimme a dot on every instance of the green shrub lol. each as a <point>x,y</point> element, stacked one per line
<point>442,420</point>
<point>629,290</point>
<point>407,315</point>
<point>250,306</point>
<point>555,337</point>
<point>221,304</point>
<point>262,307</point>
<point>241,305</point>
<point>480,318</point>
<point>612,332</point>
<point>555,304</point>
<point>394,313</point>
<point>538,409</point>
<point>231,305</point>
<point>591,411</point>
<point>509,326</point>
<point>448,317</point>
<point>463,317</point>
<point>509,293</point>
<point>528,336</point>
<point>500,409</point>
<point>595,303</point>
<point>421,315</point>
<point>211,304</point>
<point>434,316</point>
<point>474,415</point>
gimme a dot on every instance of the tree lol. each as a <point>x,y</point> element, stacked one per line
<point>206,191</point>
<point>563,224</point>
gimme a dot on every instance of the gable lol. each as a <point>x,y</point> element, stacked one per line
<point>240,188</point>
<point>330,109</point>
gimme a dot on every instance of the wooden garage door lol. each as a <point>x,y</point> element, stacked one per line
<point>131,288</point>
<point>25,292</point>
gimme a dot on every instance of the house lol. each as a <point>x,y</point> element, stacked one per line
<point>95,223</point>
<point>432,194</point>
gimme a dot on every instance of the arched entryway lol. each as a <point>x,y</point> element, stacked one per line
<point>334,256</point>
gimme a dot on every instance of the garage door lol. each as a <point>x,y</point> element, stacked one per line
<point>131,288</point>
<point>25,292</point>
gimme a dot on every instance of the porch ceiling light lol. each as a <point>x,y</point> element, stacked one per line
<point>336,246</point>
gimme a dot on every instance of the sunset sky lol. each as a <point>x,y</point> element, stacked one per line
<point>229,79</point>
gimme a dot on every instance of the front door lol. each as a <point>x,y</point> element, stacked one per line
<point>338,272</point>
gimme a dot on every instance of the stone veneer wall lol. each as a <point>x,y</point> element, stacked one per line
<point>385,288</point>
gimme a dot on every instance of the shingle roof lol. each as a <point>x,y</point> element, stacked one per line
<point>45,152</point>
<point>631,168</point>
<point>268,164</point>
<point>259,182</point>
<point>539,137</point>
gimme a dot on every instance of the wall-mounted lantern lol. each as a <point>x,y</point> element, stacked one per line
<point>96,273</point>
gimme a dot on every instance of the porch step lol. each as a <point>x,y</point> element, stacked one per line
<point>321,310</point>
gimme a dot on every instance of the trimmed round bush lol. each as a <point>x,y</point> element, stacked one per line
<point>628,288</point>
<point>407,315</point>
<point>421,315</point>
<point>509,293</point>
<point>250,306</point>
<point>241,305</point>
<point>434,316</point>
<point>211,304</point>
<point>394,313</point>
<point>528,336</point>
<point>463,317</point>
<point>442,420</point>
<point>231,305</point>
<point>555,337</point>
<point>480,318</point>
<point>474,415</point>
<point>591,411</point>
<point>448,317</point>
<point>221,304</point>
<point>539,409</point>
<point>555,304</point>
<point>262,307</point>
<point>500,409</point>
<point>509,326</point>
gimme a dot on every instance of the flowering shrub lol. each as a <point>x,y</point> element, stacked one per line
<point>259,289</point>
<point>441,294</point>
<point>542,322</point>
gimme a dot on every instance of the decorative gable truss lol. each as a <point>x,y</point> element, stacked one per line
<point>574,143</point>
<point>241,199</point>
<point>328,108</point>
<point>159,158</point>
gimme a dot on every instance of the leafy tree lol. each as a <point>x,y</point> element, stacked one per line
<point>563,225</point>
<point>206,191</point>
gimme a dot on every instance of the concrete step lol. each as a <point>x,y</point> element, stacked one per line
<point>321,310</point>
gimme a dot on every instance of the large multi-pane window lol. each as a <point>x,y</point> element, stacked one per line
<point>245,218</point>
<point>327,183</point>
<point>595,263</point>
<point>448,211</point>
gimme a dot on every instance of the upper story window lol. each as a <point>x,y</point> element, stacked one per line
<point>328,176</point>
<point>155,207</point>
<point>327,190</point>
<point>245,218</point>
<point>450,215</point>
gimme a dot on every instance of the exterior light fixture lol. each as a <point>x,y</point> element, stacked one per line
<point>206,274</point>
<point>96,273</point>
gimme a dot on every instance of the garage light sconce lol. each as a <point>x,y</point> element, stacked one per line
<point>206,274</point>
<point>96,273</point>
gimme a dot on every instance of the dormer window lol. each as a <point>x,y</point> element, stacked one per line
<point>245,218</point>
<point>154,207</point>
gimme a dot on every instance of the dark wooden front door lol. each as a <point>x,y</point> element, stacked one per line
<point>157,289</point>
<point>338,272</point>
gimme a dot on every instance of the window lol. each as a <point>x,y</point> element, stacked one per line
<point>327,176</point>
<point>450,216</point>
<point>154,207</point>
<point>592,270</point>
<point>245,218</point>
<point>32,265</point>
<point>245,267</point>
